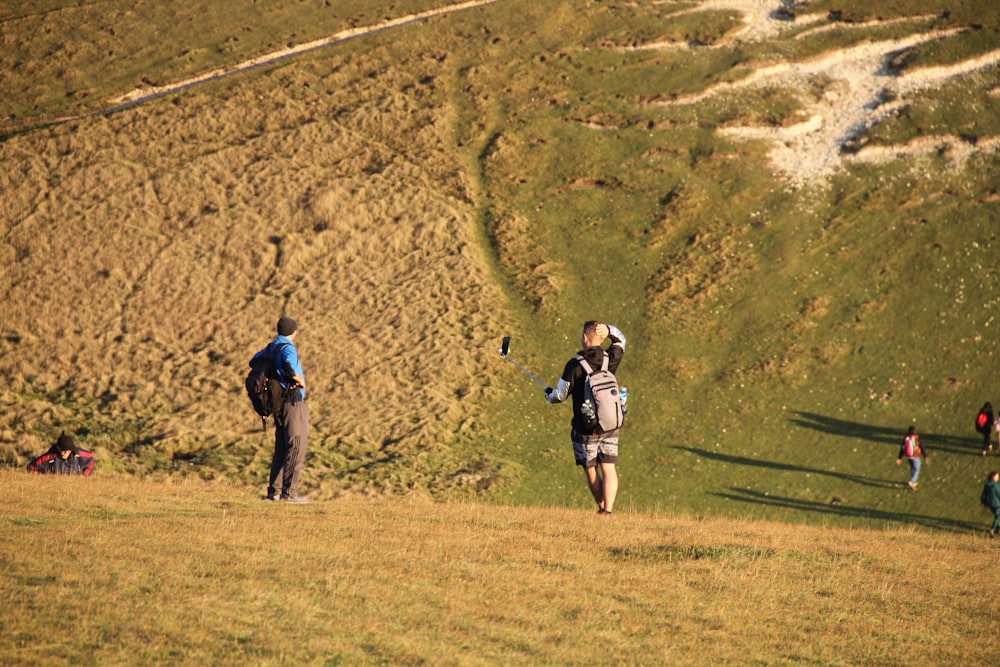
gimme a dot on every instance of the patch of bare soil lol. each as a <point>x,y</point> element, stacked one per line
<point>146,256</point>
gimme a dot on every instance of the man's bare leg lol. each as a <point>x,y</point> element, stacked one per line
<point>610,486</point>
<point>595,484</point>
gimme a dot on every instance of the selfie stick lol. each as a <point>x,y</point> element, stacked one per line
<point>505,348</point>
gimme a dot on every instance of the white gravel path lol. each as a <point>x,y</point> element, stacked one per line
<point>859,92</point>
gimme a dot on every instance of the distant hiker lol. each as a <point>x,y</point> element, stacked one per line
<point>63,458</point>
<point>913,452</point>
<point>291,422</point>
<point>990,498</point>
<point>593,446</point>
<point>984,425</point>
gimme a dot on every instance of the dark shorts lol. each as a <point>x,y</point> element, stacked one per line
<point>589,450</point>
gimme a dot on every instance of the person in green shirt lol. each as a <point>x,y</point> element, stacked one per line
<point>990,499</point>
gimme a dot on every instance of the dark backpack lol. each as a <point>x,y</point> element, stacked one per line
<point>601,389</point>
<point>263,387</point>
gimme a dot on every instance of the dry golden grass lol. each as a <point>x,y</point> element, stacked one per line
<point>204,573</point>
<point>158,246</point>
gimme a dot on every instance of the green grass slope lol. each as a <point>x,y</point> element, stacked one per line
<point>790,213</point>
<point>784,331</point>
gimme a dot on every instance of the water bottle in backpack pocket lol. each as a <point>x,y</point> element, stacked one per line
<point>588,413</point>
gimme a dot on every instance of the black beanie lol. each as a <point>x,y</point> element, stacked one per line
<point>65,443</point>
<point>286,326</point>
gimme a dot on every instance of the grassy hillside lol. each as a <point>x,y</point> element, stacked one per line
<point>790,212</point>
<point>143,572</point>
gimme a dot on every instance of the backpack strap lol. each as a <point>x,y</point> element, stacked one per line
<point>588,368</point>
<point>274,354</point>
<point>274,368</point>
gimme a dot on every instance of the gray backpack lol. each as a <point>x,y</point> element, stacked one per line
<point>601,389</point>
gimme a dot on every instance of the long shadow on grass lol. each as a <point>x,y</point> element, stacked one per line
<point>934,442</point>
<point>935,522</point>
<point>789,467</point>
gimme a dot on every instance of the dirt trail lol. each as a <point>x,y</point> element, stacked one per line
<point>149,92</point>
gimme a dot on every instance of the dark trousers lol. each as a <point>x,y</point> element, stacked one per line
<point>290,435</point>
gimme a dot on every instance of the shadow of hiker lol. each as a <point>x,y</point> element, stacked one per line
<point>790,467</point>
<point>935,442</point>
<point>841,510</point>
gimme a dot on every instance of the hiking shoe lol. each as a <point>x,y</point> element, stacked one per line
<point>298,500</point>
<point>912,485</point>
<point>270,497</point>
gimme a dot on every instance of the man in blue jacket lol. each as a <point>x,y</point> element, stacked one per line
<point>291,423</point>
